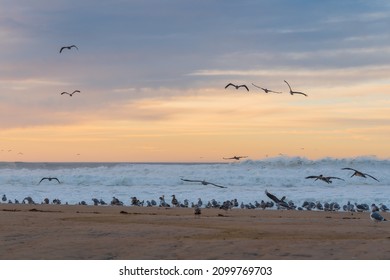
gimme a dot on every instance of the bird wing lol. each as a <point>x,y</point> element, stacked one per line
<point>195,181</point>
<point>271,196</point>
<point>219,186</point>
<point>298,92</point>
<point>312,177</point>
<point>371,176</point>
<point>347,168</point>
<point>288,85</point>
<point>65,93</point>
<point>229,158</point>
<point>42,180</point>
<point>57,180</point>
<point>257,86</point>
<point>335,178</point>
<point>229,84</point>
<point>244,87</point>
<point>75,91</point>
<point>62,49</point>
<point>74,46</point>
<point>275,91</point>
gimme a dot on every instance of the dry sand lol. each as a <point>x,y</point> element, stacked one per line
<point>112,232</point>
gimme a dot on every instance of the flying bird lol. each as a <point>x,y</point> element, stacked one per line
<point>236,157</point>
<point>278,201</point>
<point>294,92</point>
<point>49,178</point>
<point>266,90</point>
<point>68,47</point>
<point>323,178</point>
<point>237,86</point>
<point>203,182</point>
<point>360,174</point>
<point>70,94</point>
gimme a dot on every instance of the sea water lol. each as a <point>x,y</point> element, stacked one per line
<point>245,181</point>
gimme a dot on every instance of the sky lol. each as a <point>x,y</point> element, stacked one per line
<point>152,77</point>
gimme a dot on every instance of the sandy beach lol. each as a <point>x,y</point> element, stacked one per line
<point>69,232</point>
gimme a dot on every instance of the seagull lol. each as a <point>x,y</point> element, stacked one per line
<point>323,178</point>
<point>203,182</point>
<point>236,157</point>
<point>376,217</point>
<point>294,92</point>
<point>68,47</point>
<point>237,87</point>
<point>266,90</point>
<point>70,94</point>
<point>360,174</point>
<point>4,198</point>
<point>49,178</point>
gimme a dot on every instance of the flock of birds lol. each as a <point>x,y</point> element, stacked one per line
<point>274,202</point>
<point>61,50</point>
<point>328,179</point>
<point>292,92</point>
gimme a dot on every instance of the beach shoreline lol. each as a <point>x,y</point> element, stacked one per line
<point>76,232</point>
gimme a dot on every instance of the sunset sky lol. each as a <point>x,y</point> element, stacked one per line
<point>152,76</point>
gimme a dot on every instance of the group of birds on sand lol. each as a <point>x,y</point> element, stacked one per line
<point>61,50</point>
<point>328,179</point>
<point>292,92</point>
<point>280,203</point>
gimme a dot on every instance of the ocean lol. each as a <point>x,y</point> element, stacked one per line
<point>245,180</point>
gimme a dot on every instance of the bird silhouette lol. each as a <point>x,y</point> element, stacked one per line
<point>70,94</point>
<point>68,47</point>
<point>294,92</point>
<point>236,157</point>
<point>49,178</point>
<point>359,174</point>
<point>323,178</point>
<point>237,86</point>
<point>203,182</point>
<point>266,90</point>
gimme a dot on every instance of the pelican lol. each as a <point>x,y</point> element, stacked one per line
<point>323,178</point>
<point>266,90</point>
<point>68,47</point>
<point>49,178</point>
<point>236,157</point>
<point>360,174</point>
<point>70,94</point>
<point>278,201</point>
<point>236,86</point>
<point>203,182</point>
<point>294,92</point>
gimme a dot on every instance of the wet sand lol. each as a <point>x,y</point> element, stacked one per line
<point>72,232</point>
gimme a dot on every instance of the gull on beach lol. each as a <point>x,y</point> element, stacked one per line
<point>294,92</point>
<point>236,157</point>
<point>203,182</point>
<point>359,174</point>
<point>49,178</point>
<point>70,94</point>
<point>237,86</point>
<point>68,47</point>
<point>266,90</point>
<point>376,217</point>
<point>323,178</point>
<point>4,198</point>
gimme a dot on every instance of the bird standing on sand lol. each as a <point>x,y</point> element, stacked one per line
<point>266,90</point>
<point>359,174</point>
<point>203,182</point>
<point>237,86</point>
<point>294,92</point>
<point>70,94</point>
<point>376,217</point>
<point>68,47</point>
<point>323,178</point>
<point>197,211</point>
<point>49,178</point>
<point>174,201</point>
<point>4,198</point>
